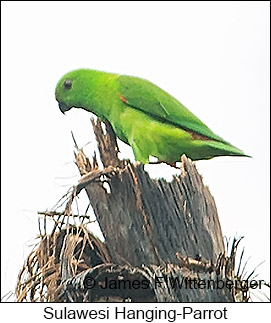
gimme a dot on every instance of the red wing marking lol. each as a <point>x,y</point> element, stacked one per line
<point>196,136</point>
<point>123,99</point>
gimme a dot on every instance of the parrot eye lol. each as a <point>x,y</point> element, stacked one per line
<point>67,84</point>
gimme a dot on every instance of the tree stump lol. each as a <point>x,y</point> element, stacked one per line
<point>162,240</point>
<point>153,229</point>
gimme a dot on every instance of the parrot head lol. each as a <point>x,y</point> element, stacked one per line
<point>61,95</point>
<point>69,90</point>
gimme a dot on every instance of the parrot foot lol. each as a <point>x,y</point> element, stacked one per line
<point>173,165</point>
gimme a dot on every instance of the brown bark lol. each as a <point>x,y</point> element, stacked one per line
<point>153,227</point>
<point>162,240</point>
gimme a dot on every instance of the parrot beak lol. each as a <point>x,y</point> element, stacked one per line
<point>63,107</point>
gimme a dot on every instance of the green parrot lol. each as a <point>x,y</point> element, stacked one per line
<point>142,115</point>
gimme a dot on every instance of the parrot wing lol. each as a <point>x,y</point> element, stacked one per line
<point>148,98</point>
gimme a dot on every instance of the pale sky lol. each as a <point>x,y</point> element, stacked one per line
<point>212,56</point>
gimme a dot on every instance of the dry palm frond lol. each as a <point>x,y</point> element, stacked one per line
<point>56,258</point>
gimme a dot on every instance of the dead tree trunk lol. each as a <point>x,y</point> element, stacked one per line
<point>146,221</point>
<point>155,228</point>
<point>163,241</point>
